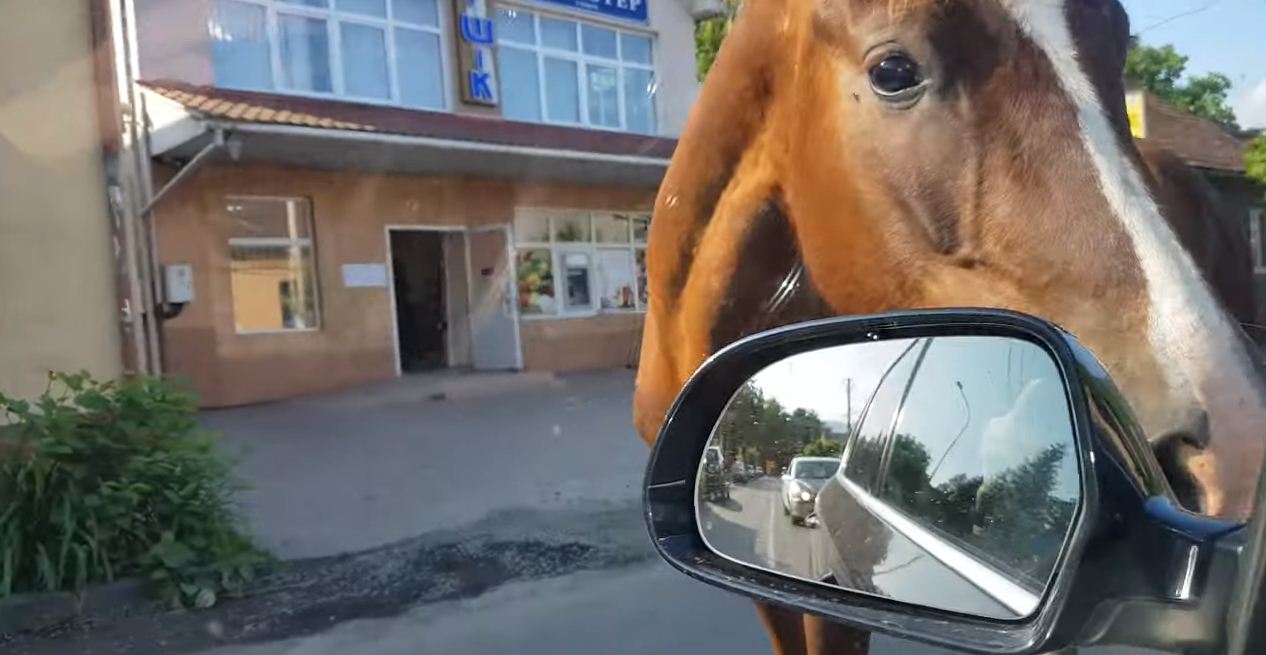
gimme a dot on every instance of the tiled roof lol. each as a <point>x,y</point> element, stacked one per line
<point>269,108</point>
<point>1196,141</point>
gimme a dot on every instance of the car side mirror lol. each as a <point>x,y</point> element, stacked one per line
<point>997,497</point>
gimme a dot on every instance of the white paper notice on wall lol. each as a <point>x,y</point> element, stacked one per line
<point>364,275</point>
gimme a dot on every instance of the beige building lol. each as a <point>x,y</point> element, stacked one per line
<point>353,190</point>
<point>58,308</point>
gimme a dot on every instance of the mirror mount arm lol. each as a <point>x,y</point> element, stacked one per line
<point>1192,616</point>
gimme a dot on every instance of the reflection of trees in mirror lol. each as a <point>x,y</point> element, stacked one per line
<point>758,426</point>
<point>1020,520</point>
<point>1011,520</point>
<point>823,447</point>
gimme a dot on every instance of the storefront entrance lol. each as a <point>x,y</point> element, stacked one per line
<point>417,264</point>
<point>453,298</point>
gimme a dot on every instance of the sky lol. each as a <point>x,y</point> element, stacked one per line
<point>1224,36</point>
<point>818,380</point>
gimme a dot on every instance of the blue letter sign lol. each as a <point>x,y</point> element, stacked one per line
<point>634,10</point>
<point>475,44</point>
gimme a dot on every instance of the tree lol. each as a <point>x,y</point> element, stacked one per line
<point>1157,69</point>
<point>1160,71</point>
<point>1022,522</point>
<point>709,33</point>
<point>755,425</point>
<point>1255,158</point>
<point>823,447</point>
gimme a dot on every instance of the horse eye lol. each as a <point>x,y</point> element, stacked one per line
<point>896,74</point>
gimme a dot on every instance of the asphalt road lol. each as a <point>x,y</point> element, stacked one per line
<point>752,528</point>
<point>635,610</point>
<point>402,541</point>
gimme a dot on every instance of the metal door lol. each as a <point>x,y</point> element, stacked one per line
<point>494,316</point>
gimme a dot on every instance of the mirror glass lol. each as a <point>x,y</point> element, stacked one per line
<point>935,471</point>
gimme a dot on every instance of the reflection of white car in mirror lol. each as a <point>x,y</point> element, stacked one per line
<point>801,482</point>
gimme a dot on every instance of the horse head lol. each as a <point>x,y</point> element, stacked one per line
<point>857,156</point>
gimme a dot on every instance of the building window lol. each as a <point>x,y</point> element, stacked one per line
<point>1257,230</point>
<point>385,51</point>
<point>272,270</point>
<point>600,259</point>
<point>572,72</point>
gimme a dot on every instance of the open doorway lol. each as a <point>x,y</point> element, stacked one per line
<point>417,264</point>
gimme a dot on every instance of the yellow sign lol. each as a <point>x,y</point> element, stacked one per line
<point>1136,112</point>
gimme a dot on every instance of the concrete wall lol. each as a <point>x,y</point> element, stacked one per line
<point>57,294</point>
<point>175,44</point>
<point>604,341</point>
<point>356,341</point>
<point>675,63</point>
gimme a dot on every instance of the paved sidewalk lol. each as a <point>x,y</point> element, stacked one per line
<point>353,470</point>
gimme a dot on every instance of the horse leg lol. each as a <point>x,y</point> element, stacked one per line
<point>793,633</point>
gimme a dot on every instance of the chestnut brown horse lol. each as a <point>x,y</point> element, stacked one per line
<point>858,156</point>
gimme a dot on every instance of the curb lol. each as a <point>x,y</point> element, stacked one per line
<point>35,612</point>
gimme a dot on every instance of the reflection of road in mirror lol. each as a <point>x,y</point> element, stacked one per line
<point>751,527</point>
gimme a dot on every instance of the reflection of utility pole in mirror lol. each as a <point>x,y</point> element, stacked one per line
<point>848,398</point>
<point>961,431</point>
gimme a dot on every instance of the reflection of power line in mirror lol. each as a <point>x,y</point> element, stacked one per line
<point>961,431</point>
<point>898,567</point>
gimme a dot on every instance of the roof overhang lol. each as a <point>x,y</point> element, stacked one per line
<point>177,132</point>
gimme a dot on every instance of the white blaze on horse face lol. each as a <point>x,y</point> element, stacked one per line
<point>1191,337</point>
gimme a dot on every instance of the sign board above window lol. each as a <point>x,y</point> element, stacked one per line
<point>634,10</point>
<point>356,276</point>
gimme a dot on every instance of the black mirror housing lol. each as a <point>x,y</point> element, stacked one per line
<point>1137,569</point>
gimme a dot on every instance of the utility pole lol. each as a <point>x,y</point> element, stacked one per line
<point>848,393</point>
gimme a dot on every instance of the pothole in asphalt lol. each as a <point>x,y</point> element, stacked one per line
<point>308,596</point>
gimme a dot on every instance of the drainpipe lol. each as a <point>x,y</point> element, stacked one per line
<point>113,73</point>
<point>131,187</point>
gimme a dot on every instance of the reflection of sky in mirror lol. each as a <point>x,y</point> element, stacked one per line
<point>1010,409</point>
<point>819,380</point>
<point>1011,405</point>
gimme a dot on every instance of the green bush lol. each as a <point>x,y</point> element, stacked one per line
<point>101,480</point>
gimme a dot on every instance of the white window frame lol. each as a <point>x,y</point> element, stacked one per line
<point>1257,232</point>
<point>581,59</point>
<point>592,247</point>
<point>333,18</point>
<point>288,242</point>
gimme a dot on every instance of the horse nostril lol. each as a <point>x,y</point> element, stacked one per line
<point>1174,448</point>
<point>1195,432</point>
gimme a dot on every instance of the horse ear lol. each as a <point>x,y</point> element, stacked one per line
<point>722,126</point>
